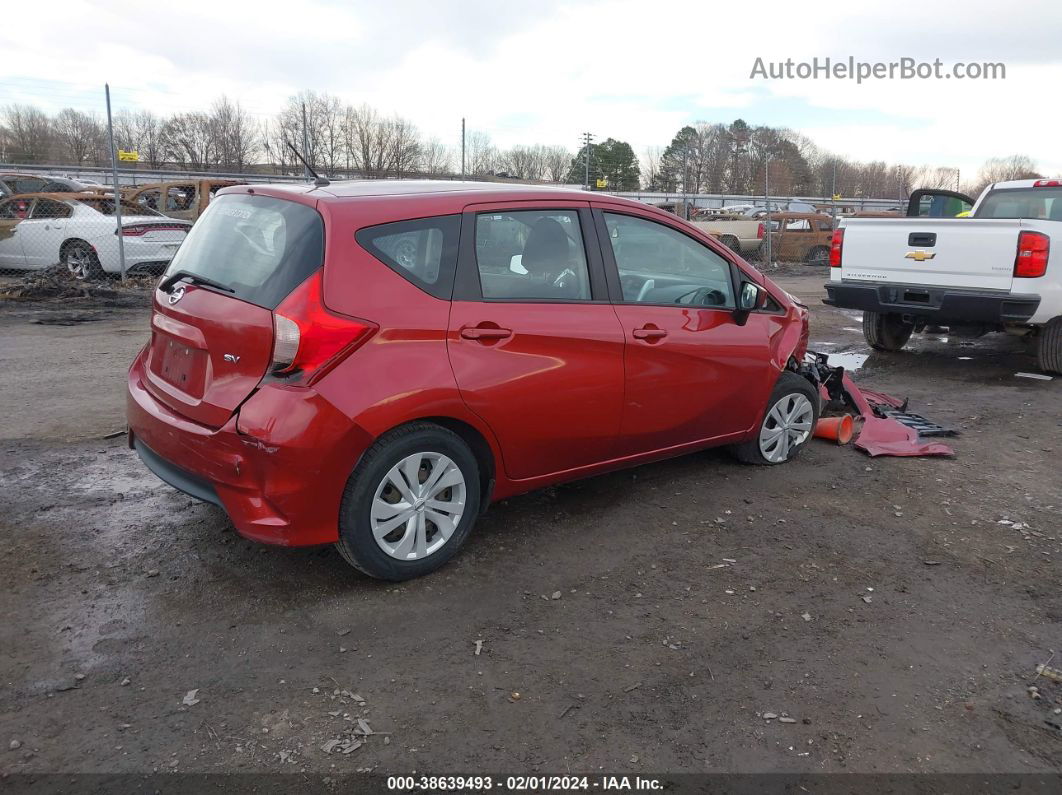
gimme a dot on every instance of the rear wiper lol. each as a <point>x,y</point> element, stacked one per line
<point>167,284</point>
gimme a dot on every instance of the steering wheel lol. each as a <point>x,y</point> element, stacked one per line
<point>703,296</point>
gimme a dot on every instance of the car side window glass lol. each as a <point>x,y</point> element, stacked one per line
<point>46,208</point>
<point>660,265</point>
<point>7,211</point>
<point>423,251</point>
<point>534,255</point>
<point>149,198</point>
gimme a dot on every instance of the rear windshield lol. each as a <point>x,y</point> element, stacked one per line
<point>1041,203</point>
<point>259,246</point>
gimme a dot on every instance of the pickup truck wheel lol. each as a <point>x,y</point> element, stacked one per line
<point>820,255</point>
<point>886,331</point>
<point>1049,347</point>
<point>787,424</point>
<point>731,243</point>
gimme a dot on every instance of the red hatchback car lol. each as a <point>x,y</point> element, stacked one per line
<point>371,364</point>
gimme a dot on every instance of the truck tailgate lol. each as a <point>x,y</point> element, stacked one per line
<point>935,252</point>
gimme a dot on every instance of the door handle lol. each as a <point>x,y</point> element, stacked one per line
<point>648,333</point>
<point>480,333</point>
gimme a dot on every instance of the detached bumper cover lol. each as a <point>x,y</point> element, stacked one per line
<point>278,468</point>
<point>942,304</point>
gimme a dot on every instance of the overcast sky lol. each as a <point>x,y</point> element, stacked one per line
<point>546,70</point>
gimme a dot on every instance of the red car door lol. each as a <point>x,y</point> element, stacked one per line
<point>692,373</point>
<point>534,343</point>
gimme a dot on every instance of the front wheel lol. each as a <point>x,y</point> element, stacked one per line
<point>787,424</point>
<point>410,503</point>
<point>886,331</point>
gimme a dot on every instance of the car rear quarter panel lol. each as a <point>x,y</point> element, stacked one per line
<point>402,373</point>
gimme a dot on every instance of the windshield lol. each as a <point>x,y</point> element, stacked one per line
<point>1041,203</point>
<point>260,247</point>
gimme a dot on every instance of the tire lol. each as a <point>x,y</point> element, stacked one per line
<point>820,255</point>
<point>793,406</point>
<point>419,542</point>
<point>81,260</point>
<point>885,331</point>
<point>1049,346</point>
<point>731,243</point>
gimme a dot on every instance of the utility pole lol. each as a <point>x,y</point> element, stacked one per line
<point>462,147</point>
<point>305,144</point>
<point>767,199</point>
<point>117,187</point>
<point>833,191</point>
<point>587,140</point>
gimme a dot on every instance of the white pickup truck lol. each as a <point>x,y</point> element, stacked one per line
<point>992,271</point>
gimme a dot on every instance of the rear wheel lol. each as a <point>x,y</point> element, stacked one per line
<point>1049,347</point>
<point>410,503</point>
<point>787,424</point>
<point>81,260</point>
<point>886,331</point>
<point>731,243</point>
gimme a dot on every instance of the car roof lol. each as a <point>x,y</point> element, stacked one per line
<point>421,187</point>
<point>62,197</point>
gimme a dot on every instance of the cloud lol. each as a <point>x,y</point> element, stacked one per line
<point>546,72</point>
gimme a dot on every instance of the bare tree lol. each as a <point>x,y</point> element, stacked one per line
<point>435,158</point>
<point>190,141</point>
<point>236,139</point>
<point>556,162</point>
<point>480,155</point>
<point>1001,169</point>
<point>78,137</point>
<point>25,134</point>
<point>404,146</point>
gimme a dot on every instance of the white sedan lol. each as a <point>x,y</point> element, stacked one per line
<point>79,230</point>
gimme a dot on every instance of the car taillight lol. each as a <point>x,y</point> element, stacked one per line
<point>836,244</point>
<point>761,231</point>
<point>136,231</point>
<point>1033,251</point>
<point>308,339</point>
<point>1048,183</point>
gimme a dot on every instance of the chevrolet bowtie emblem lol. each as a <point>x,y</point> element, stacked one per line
<point>920,256</point>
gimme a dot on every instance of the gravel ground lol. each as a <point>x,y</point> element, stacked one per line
<point>888,612</point>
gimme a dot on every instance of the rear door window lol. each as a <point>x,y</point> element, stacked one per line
<point>535,255</point>
<point>48,208</point>
<point>259,246</point>
<point>423,251</point>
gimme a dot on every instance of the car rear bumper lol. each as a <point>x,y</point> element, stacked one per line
<point>941,304</point>
<point>278,468</point>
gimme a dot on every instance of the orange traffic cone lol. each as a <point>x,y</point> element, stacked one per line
<point>837,429</point>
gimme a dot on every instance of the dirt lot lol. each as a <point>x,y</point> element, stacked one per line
<point>648,619</point>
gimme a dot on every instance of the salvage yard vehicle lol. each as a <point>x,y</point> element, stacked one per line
<point>801,237</point>
<point>183,199</point>
<point>989,272</point>
<point>78,230</point>
<point>741,235</point>
<point>12,184</point>
<point>360,363</point>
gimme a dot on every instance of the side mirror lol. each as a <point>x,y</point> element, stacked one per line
<point>750,298</point>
